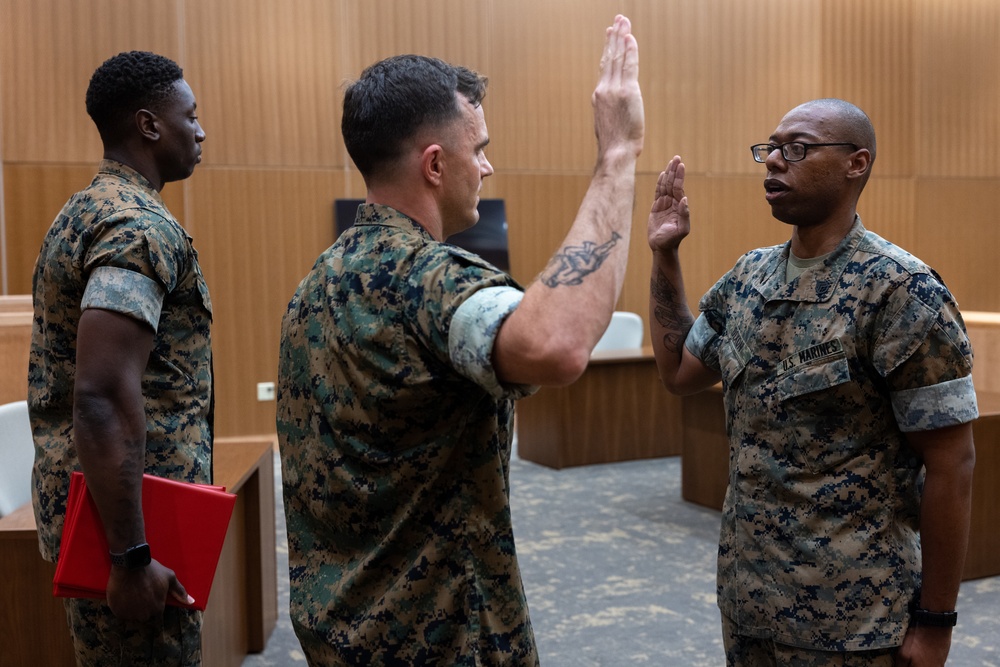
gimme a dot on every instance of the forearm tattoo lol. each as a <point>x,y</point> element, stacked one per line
<point>572,264</point>
<point>670,312</point>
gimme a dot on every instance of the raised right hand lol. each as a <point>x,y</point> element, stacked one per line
<point>619,120</point>
<point>669,217</point>
<point>139,595</point>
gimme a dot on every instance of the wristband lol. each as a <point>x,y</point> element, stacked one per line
<point>934,619</point>
<point>133,558</point>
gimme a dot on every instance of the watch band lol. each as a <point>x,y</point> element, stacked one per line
<point>132,558</point>
<point>935,619</point>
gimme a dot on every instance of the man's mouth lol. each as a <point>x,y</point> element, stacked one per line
<point>774,188</point>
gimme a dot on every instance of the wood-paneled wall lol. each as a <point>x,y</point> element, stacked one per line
<point>717,76</point>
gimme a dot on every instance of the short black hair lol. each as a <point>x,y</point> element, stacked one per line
<point>396,97</point>
<point>125,83</point>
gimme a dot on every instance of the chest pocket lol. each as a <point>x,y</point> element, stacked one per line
<point>825,413</point>
<point>815,377</point>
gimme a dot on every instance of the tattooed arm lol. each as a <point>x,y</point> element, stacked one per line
<point>670,318</point>
<point>549,337</point>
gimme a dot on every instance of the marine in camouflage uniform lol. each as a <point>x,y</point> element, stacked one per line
<point>846,375</point>
<point>400,360</point>
<point>823,377</point>
<point>116,247</point>
<point>395,440</point>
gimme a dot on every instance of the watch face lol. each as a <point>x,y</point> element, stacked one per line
<point>137,556</point>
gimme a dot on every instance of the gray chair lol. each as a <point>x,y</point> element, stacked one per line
<point>623,333</point>
<point>17,454</point>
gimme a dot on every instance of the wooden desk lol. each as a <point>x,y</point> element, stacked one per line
<point>704,448</point>
<point>242,610</point>
<point>15,343</point>
<point>16,303</point>
<point>617,411</point>
<point>983,559</point>
<point>984,334</point>
<point>246,581</point>
<point>705,470</point>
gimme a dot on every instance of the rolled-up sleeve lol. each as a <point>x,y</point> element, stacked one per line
<point>944,404</point>
<point>123,291</point>
<point>702,341</point>
<point>473,332</point>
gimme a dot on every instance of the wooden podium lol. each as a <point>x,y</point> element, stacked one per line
<point>617,411</point>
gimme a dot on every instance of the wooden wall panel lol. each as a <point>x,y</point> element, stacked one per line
<point>887,208</point>
<point>266,76</point>
<point>546,64</point>
<point>956,233</point>
<point>765,59</point>
<point>48,51</point>
<point>957,59</point>
<point>457,31</point>
<point>259,233</point>
<point>867,59</point>
<point>675,73</point>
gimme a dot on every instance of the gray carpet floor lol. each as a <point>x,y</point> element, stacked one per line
<point>620,571</point>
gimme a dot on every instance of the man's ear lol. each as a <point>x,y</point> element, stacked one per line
<point>146,123</point>
<point>432,164</point>
<point>861,162</point>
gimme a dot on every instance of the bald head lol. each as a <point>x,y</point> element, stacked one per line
<point>837,120</point>
<point>848,122</point>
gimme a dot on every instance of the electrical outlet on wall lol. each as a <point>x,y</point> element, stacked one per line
<point>265,391</point>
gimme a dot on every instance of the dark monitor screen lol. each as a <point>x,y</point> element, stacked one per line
<point>487,238</point>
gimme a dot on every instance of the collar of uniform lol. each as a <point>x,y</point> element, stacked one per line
<point>126,173</point>
<point>817,284</point>
<point>121,170</point>
<point>386,216</point>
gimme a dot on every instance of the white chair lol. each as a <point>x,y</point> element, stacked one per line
<point>623,333</point>
<point>17,455</point>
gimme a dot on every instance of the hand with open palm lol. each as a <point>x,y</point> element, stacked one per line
<point>669,217</point>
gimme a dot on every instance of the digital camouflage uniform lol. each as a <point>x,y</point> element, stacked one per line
<point>395,440</point>
<point>822,378</point>
<point>115,246</point>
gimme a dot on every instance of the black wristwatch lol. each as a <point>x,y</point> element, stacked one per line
<point>934,619</point>
<point>133,558</point>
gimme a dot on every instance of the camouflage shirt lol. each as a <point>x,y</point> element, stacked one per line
<point>115,246</point>
<point>822,378</point>
<point>395,440</point>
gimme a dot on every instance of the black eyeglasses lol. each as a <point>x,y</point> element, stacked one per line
<point>793,151</point>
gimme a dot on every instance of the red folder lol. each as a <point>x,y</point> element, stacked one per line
<point>185,527</point>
